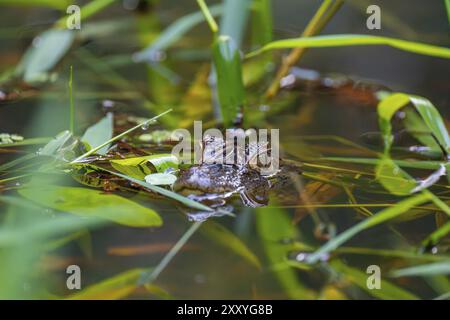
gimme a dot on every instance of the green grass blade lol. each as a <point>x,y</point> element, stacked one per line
<point>88,10</point>
<point>341,40</point>
<point>152,275</point>
<point>208,16</point>
<point>447,7</point>
<point>262,22</point>
<point>387,214</point>
<point>17,161</point>
<point>119,136</point>
<point>394,179</point>
<point>273,226</point>
<point>432,269</point>
<point>234,19</point>
<point>437,235</point>
<point>230,86</point>
<point>388,290</point>
<point>429,165</point>
<point>72,106</point>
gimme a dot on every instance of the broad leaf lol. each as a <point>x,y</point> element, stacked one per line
<point>92,203</point>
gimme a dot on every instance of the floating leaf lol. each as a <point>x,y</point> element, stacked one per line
<point>161,179</point>
<point>99,132</point>
<point>87,202</point>
<point>221,235</point>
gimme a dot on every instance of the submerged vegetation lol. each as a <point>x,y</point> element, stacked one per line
<point>105,193</point>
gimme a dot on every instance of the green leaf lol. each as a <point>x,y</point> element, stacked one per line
<point>429,165</point>
<point>116,287</point>
<point>432,269</point>
<point>174,32</point>
<point>163,162</point>
<point>161,179</point>
<point>437,235</point>
<point>102,131</point>
<point>51,148</point>
<point>42,57</point>
<point>137,167</point>
<point>428,112</point>
<point>339,40</point>
<point>415,126</point>
<point>234,19</point>
<point>92,203</point>
<point>88,10</point>
<point>221,235</point>
<point>402,207</point>
<point>60,4</point>
<point>394,179</point>
<point>262,22</point>
<point>134,167</point>
<point>274,226</point>
<point>227,63</point>
<point>432,119</point>
<point>447,7</point>
<point>119,136</point>
<point>388,290</point>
